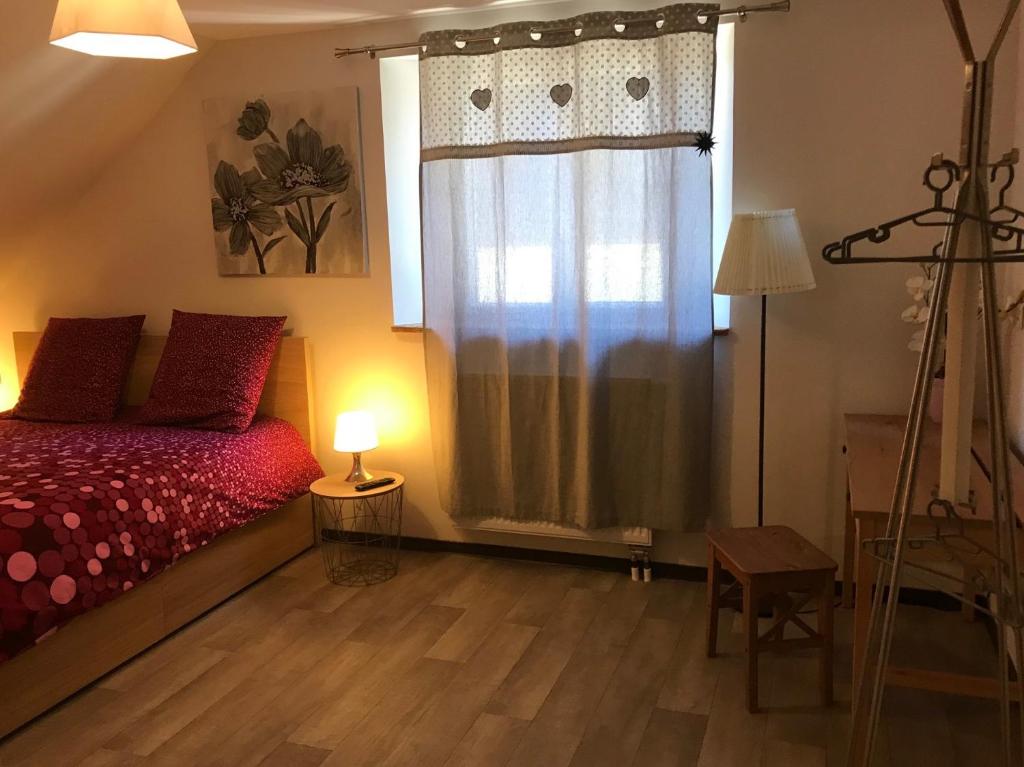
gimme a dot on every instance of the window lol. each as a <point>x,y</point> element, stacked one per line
<point>528,279</point>
<point>721,160</point>
<point>624,273</point>
<point>616,273</point>
<point>400,112</point>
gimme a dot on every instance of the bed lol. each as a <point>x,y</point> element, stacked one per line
<point>152,500</point>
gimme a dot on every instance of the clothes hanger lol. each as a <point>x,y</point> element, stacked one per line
<point>1004,216</point>
<point>939,215</point>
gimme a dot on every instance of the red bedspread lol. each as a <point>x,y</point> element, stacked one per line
<point>89,511</point>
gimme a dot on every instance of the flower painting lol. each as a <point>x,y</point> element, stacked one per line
<point>286,184</point>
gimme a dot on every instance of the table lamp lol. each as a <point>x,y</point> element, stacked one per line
<point>764,253</point>
<point>355,433</point>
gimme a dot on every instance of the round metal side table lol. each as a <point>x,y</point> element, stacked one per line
<point>359,534</point>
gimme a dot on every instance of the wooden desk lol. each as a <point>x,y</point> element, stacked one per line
<point>872,448</point>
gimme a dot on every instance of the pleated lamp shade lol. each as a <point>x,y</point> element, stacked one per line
<point>764,253</point>
<point>135,29</point>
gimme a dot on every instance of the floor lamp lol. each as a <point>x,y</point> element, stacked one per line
<point>764,253</point>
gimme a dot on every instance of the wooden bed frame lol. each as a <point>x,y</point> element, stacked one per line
<point>103,638</point>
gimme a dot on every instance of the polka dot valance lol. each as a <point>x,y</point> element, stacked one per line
<point>600,80</point>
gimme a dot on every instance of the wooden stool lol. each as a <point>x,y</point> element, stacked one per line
<point>772,563</point>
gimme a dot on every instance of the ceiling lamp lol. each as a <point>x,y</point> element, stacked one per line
<point>133,29</point>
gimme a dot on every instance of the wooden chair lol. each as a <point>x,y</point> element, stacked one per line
<point>776,565</point>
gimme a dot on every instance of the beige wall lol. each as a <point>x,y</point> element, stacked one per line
<point>838,108</point>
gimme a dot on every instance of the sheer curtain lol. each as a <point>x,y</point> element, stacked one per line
<point>567,268</point>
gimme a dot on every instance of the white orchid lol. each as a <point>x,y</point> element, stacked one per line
<point>916,314</point>
<point>920,288</point>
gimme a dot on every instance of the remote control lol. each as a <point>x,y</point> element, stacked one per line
<point>374,484</point>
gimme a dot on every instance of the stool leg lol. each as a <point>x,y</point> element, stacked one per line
<point>825,628</point>
<point>750,631</point>
<point>714,589</point>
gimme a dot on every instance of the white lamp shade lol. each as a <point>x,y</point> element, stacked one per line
<point>764,253</point>
<point>355,432</point>
<point>138,29</point>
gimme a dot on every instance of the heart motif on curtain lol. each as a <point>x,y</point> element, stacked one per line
<point>637,87</point>
<point>481,98</point>
<point>561,94</point>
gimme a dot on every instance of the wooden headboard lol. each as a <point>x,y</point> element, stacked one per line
<point>288,393</point>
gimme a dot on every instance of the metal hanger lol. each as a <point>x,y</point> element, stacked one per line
<point>1003,229</point>
<point>940,215</point>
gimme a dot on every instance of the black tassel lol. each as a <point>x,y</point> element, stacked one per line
<point>704,143</point>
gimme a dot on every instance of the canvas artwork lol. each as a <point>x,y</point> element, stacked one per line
<point>286,183</point>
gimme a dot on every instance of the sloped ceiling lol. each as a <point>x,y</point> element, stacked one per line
<point>64,115</point>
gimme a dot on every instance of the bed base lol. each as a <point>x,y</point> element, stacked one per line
<point>100,640</point>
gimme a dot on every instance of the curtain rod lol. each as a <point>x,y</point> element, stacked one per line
<point>782,6</point>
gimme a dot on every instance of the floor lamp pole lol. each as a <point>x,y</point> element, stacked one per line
<point>764,255</point>
<point>760,423</point>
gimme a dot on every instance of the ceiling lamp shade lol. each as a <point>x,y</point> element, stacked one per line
<point>134,29</point>
<point>764,253</point>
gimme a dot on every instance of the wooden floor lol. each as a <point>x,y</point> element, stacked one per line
<point>469,661</point>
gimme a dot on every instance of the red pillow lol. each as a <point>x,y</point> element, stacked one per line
<point>79,369</point>
<point>212,371</point>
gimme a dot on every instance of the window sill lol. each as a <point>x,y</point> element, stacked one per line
<point>419,329</point>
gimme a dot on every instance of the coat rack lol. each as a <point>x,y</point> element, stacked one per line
<point>971,229</point>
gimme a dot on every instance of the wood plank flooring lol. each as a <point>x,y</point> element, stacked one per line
<point>477,662</point>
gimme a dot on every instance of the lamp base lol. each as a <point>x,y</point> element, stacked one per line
<point>358,473</point>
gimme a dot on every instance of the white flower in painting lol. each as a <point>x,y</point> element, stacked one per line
<point>919,287</point>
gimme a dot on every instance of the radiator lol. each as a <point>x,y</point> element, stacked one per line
<point>630,536</point>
